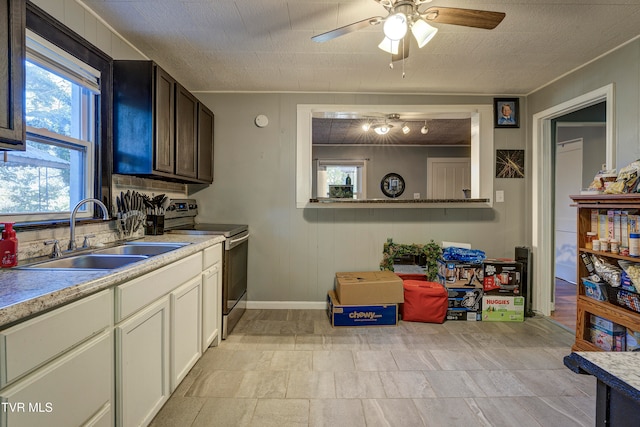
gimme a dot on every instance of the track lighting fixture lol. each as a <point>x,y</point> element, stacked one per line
<point>425,129</point>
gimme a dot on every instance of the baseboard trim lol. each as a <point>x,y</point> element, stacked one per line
<point>287,305</point>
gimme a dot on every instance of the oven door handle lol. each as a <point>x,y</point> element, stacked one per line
<point>235,242</point>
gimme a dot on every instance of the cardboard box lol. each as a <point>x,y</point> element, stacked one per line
<point>606,334</point>
<point>462,314</point>
<point>369,287</point>
<point>458,274</point>
<point>632,341</point>
<point>360,315</point>
<point>464,303</point>
<point>468,298</point>
<point>606,324</point>
<point>594,290</point>
<point>502,308</point>
<point>502,277</point>
<point>607,341</point>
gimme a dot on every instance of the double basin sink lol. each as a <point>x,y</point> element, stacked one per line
<point>108,258</point>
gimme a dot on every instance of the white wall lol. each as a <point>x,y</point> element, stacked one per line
<point>409,162</point>
<point>294,253</point>
<point>622,68</point>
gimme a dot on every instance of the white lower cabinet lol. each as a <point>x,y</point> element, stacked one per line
<point>186,321</point>
<point>72,366</point>
<point>142,364</point>
<point>75,389</point>
<point>211,305</point>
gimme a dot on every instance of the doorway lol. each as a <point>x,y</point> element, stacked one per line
<point>543,218</point>
<point>568,182</point>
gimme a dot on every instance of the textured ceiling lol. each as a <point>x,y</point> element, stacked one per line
<point>450,132</point>
<point>265,45</point>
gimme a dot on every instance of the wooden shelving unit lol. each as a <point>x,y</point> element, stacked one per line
<point>586,306</point>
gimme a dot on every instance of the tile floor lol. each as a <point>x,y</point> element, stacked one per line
<point>291,368</point>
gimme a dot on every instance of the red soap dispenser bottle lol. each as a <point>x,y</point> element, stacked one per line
<point>8,246</point>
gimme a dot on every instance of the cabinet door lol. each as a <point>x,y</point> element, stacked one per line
<point>205,143</point>
<point>186,320</point>
<point>73,390</point>
<point>211,306</point>
<point>142,365</point>
<point>12,25</point>
<point>186,133</point>
<point>164,121</point>
<point>32,343</point>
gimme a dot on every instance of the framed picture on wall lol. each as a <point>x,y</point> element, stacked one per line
<point>509,163</point>
<point>506,112</point>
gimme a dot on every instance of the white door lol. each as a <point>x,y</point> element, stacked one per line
<point>447,177</point>
<point>568,182</point>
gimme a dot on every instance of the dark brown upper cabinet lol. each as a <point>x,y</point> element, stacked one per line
<point>205,143</point>
<point>156,127</point>
<point>186,133</point>
<point>165,101</point>
<point>12,41</point>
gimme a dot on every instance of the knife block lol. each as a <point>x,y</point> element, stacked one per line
<point>154,225</point>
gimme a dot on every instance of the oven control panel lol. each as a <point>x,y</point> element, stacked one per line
<point>181,208</point>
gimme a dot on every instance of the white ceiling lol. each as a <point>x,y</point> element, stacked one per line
<point>265,45</point>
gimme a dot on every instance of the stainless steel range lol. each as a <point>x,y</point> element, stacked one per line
<point>180,219</point>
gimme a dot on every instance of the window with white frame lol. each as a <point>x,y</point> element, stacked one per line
<point>56,170</point>
<point>333,175</point>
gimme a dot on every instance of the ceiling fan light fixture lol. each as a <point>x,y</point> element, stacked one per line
<point>382,129</point>
<point>395,26</point>
<point>405,129</point>
<point>390,46</point>
<point>423,32</point>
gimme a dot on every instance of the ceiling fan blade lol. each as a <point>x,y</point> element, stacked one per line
<point>403,49</point>
<point>330,35</point>
<point>465,17</point>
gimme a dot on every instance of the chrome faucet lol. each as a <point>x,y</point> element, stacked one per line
<point>72,222</point>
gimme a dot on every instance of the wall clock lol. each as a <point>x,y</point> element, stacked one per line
<point>392,185</point>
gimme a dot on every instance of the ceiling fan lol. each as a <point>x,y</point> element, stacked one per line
<point>405,15</point>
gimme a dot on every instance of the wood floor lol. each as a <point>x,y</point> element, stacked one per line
<point>291,368</point>
<point>565,304</point>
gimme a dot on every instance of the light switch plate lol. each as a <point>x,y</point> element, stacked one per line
<point>499,196</point>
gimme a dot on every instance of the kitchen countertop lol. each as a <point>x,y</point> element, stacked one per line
<point>26,293</point>
<point>618,369</point>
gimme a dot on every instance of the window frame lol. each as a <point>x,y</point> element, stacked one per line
<point>44,25</point>
<point>361,168</point>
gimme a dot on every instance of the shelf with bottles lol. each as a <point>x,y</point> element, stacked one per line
<point>608,217</point>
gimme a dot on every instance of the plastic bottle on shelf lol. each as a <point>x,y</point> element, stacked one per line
<point>591,236</point>
<point>8,246</point>
<point>634,244</point>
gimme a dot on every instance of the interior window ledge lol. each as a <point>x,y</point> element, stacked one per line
<point>399,203</point>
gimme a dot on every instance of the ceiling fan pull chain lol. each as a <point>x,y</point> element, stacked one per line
<point>403,56</point>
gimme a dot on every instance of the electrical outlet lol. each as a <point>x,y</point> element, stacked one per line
<point>500,196</point>
<point>416,195</point>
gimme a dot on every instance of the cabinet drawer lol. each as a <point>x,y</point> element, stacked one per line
<point>133,295</point>
<point>211,256</point>
<point>68,392</point>
<point>32,343</point>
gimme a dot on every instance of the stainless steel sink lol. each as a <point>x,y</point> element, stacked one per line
<point>88,262</point>
<point>147,248</point>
